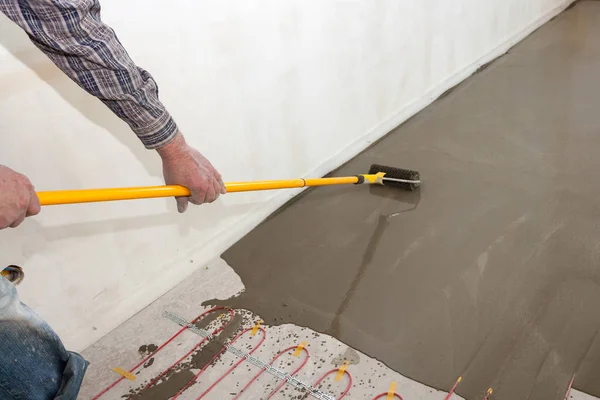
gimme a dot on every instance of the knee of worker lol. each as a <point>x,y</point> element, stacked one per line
<point>33,361</point>
<point>30,357</point>
<point>34,364</point>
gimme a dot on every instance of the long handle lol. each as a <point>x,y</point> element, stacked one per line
<point>147,192</point>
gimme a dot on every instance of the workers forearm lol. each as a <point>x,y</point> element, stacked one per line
<point>72,35</point>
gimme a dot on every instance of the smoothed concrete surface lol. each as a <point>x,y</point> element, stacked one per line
<point>491,271</point>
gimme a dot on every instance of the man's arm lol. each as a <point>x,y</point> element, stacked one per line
<point>72,35</point>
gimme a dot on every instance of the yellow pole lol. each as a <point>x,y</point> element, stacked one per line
<point>147,192</point>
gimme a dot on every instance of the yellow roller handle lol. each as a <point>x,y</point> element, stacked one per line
<point>147,192</point>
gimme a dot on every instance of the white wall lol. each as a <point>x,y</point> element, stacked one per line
<point>266,89</point>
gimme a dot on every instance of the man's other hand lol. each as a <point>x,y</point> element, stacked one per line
<point>185,166</point>
<point>17,198</point>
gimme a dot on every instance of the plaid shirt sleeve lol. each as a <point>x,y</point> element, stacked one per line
<point>72,35</point>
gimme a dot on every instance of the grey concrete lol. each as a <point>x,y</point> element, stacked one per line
<point>492,270</point>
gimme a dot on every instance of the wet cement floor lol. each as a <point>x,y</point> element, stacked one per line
<point>492,271</point>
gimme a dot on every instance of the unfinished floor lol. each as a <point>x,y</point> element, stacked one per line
<point>133,347</point>
<point>136,346</point>
<point>490,272</point>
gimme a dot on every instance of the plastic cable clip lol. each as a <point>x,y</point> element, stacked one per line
<point>299,349</point>
<point>342,370</point>
<point>391,391</point>
<point>255,327</point>
<point>124,374</point>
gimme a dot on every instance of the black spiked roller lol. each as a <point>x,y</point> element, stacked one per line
<point>397,177</point>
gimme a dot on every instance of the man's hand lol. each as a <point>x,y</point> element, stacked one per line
<point>17,198</point>
<point>185,166</point>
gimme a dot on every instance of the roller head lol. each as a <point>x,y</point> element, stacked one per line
<point>392,173</point>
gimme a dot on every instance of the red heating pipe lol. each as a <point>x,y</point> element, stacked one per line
<point>570,387</point>
<point>487,394</point>
<point>153,381</point>
<point>241,360</point>
<point>451,392</point>
<point>264,336</point>
<point>382,395</point>
<point>333,371</point>
<point>271,363</point>
<point>135,367</point>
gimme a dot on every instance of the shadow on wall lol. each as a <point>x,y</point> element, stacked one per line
<point>33,236</point>
<point>16,41</point>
